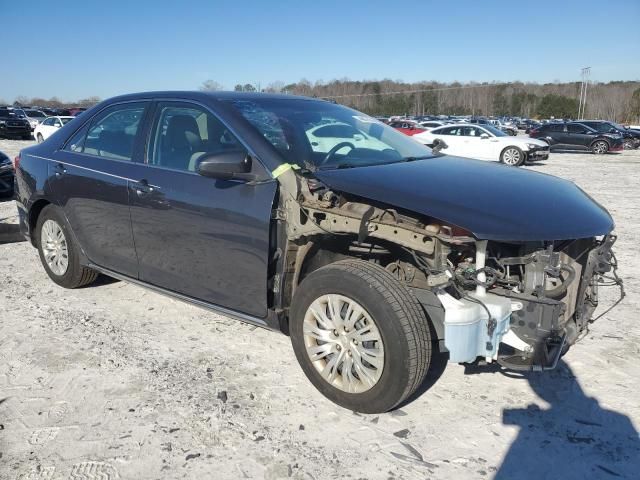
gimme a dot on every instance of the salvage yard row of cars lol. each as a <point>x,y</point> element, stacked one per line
<point>490,139</point>
<point>366,247</point>
<point>26,123</point>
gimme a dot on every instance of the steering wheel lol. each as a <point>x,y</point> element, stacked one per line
<point>335,149</point>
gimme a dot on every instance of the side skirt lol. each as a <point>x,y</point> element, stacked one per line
<point>259,322</point>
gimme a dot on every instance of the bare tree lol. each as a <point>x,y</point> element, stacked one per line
<point>211,85</point>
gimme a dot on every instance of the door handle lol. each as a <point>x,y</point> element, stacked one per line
<point>143,188</point>
<point>59,170</point>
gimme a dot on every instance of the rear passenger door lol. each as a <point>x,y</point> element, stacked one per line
<point>201,237</point>
<point>579,135</point>
<point>89,178</point>
<point>554,134</point>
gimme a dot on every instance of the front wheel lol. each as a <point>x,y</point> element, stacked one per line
<point>59,252</point>
<point>512,156</point>
<point>600,147</point>
<point>360,336</point>
<point>39,138</point>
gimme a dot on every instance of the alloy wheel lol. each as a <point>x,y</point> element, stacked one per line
<point>600,147</point>
<point>54,247</point>
<point>511,156</point>
<point>343,343</point>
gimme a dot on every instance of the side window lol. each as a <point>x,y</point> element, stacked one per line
<point>576,128</point>
<point>443,131</point>
<point>48,122</point>
<point>183,133</point>
<point>472,132</point>
<point>57,123</point>
<point>556,127</point>
<point>113,132</point>
<point>76,142</point>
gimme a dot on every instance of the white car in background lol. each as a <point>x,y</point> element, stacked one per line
<point>49,126</point>
<point>325,137</point>
<point>485,142</point>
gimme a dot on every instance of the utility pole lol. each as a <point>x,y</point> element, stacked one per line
<point>582,105</point>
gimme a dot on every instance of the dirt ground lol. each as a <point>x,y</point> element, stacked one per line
<point>114,381</point>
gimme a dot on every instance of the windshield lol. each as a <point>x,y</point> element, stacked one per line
<point>493,130</point>
<point>35,114</point>
<point>318,134</point>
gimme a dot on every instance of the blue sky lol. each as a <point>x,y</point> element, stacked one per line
<point>75,49</point>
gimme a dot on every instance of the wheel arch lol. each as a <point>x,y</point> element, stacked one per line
<point>602,139</point>
<point>34,213</point>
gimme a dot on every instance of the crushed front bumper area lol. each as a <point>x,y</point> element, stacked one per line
<point>551,313</point>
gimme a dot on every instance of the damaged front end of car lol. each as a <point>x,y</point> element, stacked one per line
<point>518,303</point>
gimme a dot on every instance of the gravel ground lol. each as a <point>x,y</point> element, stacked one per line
<point>114,381</point>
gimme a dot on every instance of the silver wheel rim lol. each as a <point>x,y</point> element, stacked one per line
<point>343,343</point>
<point>54,247</point>
<point>600,147</point>
<point>511,156</point>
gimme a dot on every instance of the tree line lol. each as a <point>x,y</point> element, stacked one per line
<point>618,100</point>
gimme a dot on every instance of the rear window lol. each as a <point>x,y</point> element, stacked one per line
<point>112,133</point>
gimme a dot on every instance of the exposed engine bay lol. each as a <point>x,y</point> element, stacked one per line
<point>520,304</point>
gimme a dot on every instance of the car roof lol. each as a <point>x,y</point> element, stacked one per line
<point>215,95</point>
<point>463,125</point>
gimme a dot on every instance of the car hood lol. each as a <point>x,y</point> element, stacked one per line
<point>493,201</point>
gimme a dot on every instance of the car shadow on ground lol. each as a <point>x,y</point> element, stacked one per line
<point>583,152</point>
<point>10,233</point>
<point>571,437</point>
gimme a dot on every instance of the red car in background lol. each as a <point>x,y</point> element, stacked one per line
<point>408,127</point>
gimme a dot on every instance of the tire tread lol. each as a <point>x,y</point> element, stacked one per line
<point>409,313</point>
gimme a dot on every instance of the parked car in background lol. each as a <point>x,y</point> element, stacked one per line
<point>485,142</point>
<point>34,117</point>
<point>509,130</point>
<point>577,136</point>
<point>408,127</point>
<point>6,176</point>
<point>360,256</point>
<point>336,136</point>
<point>74,112</point>
<point>49,126</point>
<point>631,138</point>
<point>14,126</point>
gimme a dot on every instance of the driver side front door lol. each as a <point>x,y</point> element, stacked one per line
<point>204,238</point>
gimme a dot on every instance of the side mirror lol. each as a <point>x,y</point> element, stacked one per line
<point>226,166</point>
<point>484,136</point>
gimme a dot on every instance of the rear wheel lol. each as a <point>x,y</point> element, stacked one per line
<point>39,138</point>
<point>512,156</point>
<point>58,251</point>
<point>600,147</point>
<point>360,336</point>
<point>628,144</point>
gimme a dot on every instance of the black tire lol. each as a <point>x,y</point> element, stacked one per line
<point>628,144</point>
<point>396,313</point>
<point>510,153</point>
<point>600,147</point>
<point>39,138</point>
<point>76,275</point>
